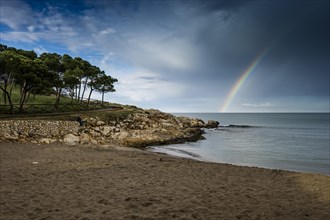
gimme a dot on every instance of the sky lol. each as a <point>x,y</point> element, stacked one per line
<point>188,55</point>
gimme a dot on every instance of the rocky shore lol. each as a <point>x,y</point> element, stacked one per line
<point>139,129</point>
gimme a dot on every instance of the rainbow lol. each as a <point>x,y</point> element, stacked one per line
<point>238,84</point>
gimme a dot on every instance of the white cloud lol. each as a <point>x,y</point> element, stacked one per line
<point>39,50</point>
<point>259,105</point>
<point>19,36</point>
<point>55,21</point>
<point>142,85</point>
<point>16,14</point>
<point>137,85</point>
<point>31,28</point>
<point>108,31</point>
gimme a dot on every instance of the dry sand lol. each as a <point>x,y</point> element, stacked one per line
<point>62,182</point>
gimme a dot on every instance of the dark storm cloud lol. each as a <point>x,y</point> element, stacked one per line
<point>298,34</point>
<point>224,5</point>
<point>301,53</point>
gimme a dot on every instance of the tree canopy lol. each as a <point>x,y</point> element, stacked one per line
<point>49,73</point>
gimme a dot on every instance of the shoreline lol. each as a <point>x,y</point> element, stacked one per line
<point>137,129</point>
<point>57,181</point>
<point>193,156</point>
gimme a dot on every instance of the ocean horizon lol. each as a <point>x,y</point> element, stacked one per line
<point>287,141</point>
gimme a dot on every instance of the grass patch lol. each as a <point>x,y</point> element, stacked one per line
<point>111,115</point>
<point>41,104</point>
<point>120,112</point>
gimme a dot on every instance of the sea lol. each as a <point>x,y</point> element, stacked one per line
<point>287,141</point>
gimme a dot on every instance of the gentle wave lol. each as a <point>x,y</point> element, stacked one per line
<point>175,152</point>
<point>238,126</point>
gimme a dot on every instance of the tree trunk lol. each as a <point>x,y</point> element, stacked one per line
<point>58,96</point>
<point>83,93</point>
<point>79,89</point>
<point>6,82</point>
<point>102,97</point>
<point>76,93</point>
<point>23,97</point>
<point>9,100</point>
<point>11,88</point>
<point>4,94</point>
<point>4,98</point>
<point>89,97</point>
<point>28,97</point>
<point>57,92</point>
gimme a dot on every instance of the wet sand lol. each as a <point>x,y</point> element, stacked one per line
<point>64,182</point>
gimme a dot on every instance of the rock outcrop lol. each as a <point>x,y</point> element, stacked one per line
<point>139,129</point>
<point>212,124</point>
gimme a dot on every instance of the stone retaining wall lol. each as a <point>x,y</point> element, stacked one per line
<point>24,130</point>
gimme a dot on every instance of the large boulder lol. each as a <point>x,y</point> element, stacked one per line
<point>212,124</point>
<point>122,135</point>
<point>11,138</point>
<point>85,138</point>
<point>190,122</point>
<point>106,130</point>
<point>100,123</point>
<point>71,139</point>
<point>197,123</point>
<point>46,141</point>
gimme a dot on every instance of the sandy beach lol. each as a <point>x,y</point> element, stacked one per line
<point>70,182</point>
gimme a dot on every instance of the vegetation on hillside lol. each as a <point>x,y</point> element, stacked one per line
<point>49,74</point>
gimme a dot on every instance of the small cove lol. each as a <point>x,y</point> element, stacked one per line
<point>288,141</point>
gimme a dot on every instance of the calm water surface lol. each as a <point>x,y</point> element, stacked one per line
<point>293,141</point>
